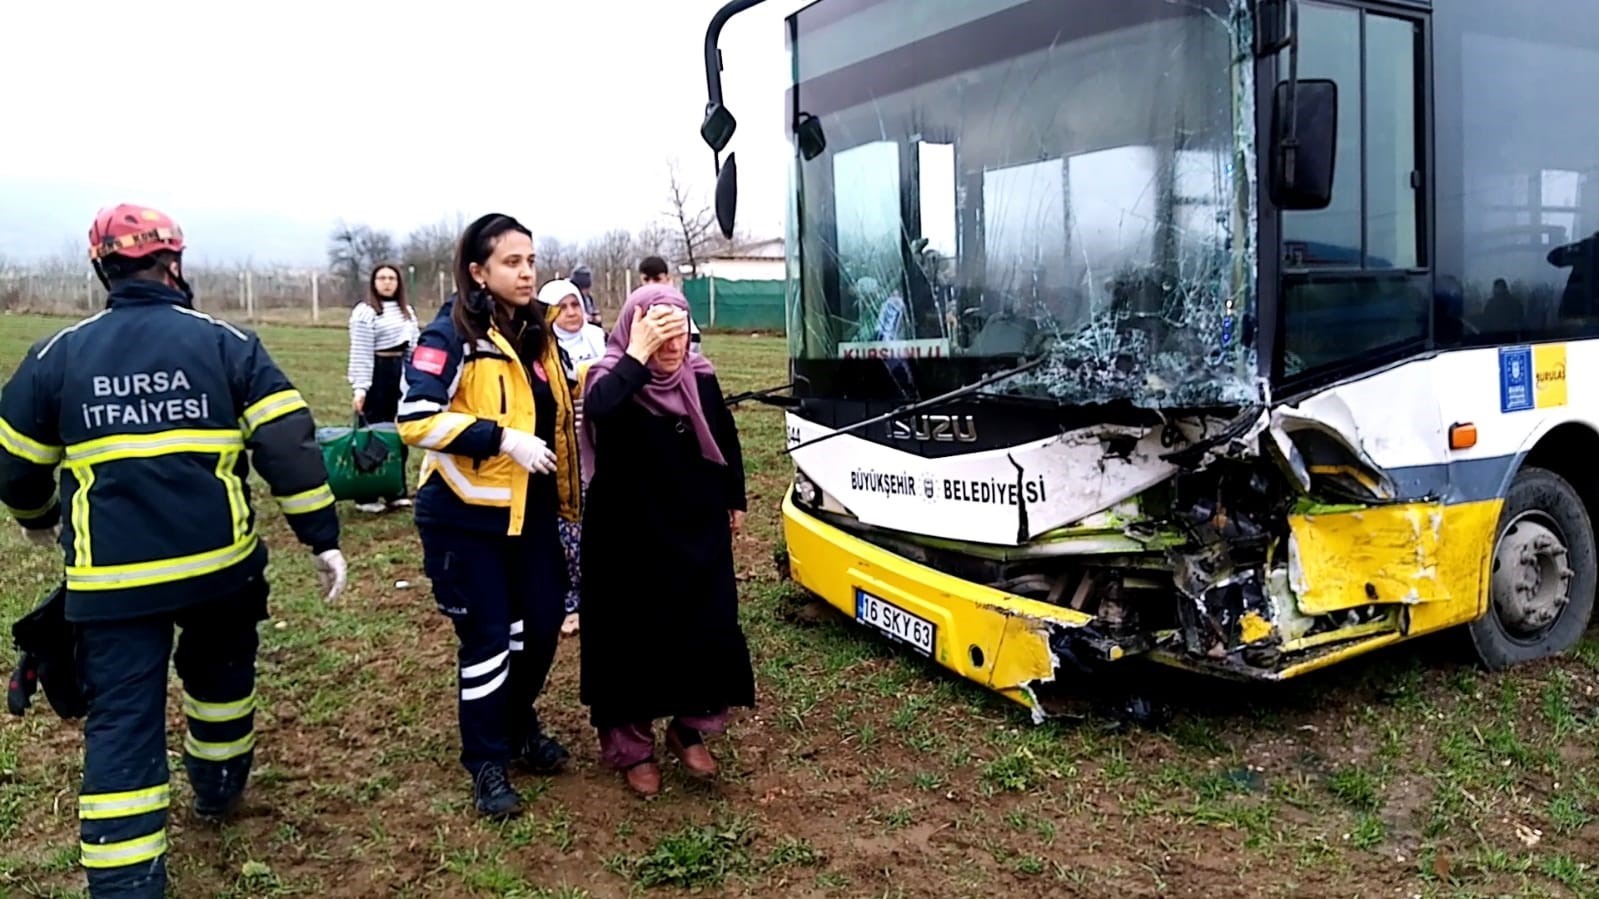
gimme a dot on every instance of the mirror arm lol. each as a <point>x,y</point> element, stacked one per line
<point>1290,141</point>
<point>713,56</point>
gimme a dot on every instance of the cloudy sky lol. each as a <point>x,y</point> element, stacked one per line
<point>257,125</point>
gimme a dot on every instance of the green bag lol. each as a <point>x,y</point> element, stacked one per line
<point>363,461</point>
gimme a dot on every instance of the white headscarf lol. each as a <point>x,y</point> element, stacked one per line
<point>587,343</point>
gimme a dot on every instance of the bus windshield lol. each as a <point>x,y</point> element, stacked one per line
<point>1006,179</point>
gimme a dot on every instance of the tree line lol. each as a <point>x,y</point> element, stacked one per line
<point>684,233</point>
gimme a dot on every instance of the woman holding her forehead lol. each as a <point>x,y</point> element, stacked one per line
<point>661,637</point>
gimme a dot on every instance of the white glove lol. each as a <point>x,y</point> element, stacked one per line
<point>44,538</point>
<point>528,451</point>
<point>330,571</point>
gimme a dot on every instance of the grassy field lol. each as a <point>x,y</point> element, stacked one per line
<point>864,772</point>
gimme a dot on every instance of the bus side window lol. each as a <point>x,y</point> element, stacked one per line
<point>1519,207</point>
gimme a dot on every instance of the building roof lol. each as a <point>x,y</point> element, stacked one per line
<point>757,250</point>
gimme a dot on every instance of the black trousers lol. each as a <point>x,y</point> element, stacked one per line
<point>505,596</point>
<point>383,397</point>
<point>122,806</point>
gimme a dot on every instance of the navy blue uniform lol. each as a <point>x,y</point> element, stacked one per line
<point>148,410</point>
<point>494,558</point>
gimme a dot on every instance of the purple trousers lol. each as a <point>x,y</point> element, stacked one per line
<point>623,747</point>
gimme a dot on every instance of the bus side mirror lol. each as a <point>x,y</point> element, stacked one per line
<point>718,127</point>
<point>727,195</point>
<point>1304,144</point>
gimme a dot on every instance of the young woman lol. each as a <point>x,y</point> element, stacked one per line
<point>487,398</point>
<point>383,331</point>
<point>582,344</point>
<point>665,474</point>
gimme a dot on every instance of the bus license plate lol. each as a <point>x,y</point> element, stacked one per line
<point>894,621</point>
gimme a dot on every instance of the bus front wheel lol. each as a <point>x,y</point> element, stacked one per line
<point>1541,591</point>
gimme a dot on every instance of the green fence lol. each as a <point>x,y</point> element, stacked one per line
<point>736,305</point>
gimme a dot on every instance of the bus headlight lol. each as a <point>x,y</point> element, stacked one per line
<point>804,490</point>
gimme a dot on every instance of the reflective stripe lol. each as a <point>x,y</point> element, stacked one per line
<point>128,852</point>
<point>101,806</point>
<point>146,446</point>
<point>32,513</point>
<point>465,488</point>
<point>483,668</point>
<point>26,448</point>
<point>158,571</point>
<point>239,510</point>
<point>81,554</point>
<point>218,752</point>
<point>218,712</point>
<point>448,428</point>
<point>516,646</point>
<point>415,407</point>
<point>471,693</point>
<point>516,627</point>
<point>271,407</point>
<point>309,501</point>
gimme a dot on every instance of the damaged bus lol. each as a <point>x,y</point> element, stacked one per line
<point>1245,336</point>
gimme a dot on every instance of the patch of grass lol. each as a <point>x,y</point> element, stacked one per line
<point>693,857</point>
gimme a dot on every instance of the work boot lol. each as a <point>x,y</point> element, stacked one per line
<point>491,791</point>
<point>644,778</point>
<point>215,812</point>
<point>690,749</point>
<point>540,753</point>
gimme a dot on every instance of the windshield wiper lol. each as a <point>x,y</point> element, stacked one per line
<point>970,389</point>
<point>764,396</point>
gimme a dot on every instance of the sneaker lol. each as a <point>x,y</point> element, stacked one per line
<point>401,503</point>
<point>542,754</point>
<point>372,508</point>
<point>492,793</point>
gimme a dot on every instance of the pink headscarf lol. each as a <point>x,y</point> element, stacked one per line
<point>674,394</point>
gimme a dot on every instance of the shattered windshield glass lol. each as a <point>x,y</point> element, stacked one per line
<point>1069,178</point>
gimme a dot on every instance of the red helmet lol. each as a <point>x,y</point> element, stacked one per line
<point>133,231</point>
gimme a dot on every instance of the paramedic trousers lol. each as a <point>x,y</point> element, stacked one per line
<point>505,597</point>
<point>122,807</point>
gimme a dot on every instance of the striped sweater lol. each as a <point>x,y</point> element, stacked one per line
<point>371,332</point>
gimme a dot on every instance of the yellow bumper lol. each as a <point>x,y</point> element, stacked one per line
<point>997,639</point>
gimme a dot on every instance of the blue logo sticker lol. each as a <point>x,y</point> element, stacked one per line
<point>1515,378</point>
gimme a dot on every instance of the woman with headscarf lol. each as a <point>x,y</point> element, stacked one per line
<point>665,473</point>
<point>582,344</point>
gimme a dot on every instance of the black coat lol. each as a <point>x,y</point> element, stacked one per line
<point>660,601</point>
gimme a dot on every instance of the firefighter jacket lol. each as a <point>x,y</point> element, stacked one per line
<point>148,408</point>
<point>458,399</point>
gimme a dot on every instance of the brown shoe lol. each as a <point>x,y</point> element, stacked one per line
<point>644,778</point>
<point>695,757</point>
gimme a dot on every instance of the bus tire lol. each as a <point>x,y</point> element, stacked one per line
<point>1542,580</point>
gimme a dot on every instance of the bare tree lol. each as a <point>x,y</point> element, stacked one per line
<point>609,257</point>
<point>556,259</point>
<point>430,250</point>
<point>693,219</point>
<point>353,251</point>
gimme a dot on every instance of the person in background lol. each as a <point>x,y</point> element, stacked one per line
<point>661,637</point>
<point>487,398</point>
<point>583,277</point>
<point>383,331</point>
<point>582,344</point>
<point>166,538</point>
<point>653,270</point>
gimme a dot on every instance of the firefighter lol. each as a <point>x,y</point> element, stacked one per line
<point>149,408</point>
